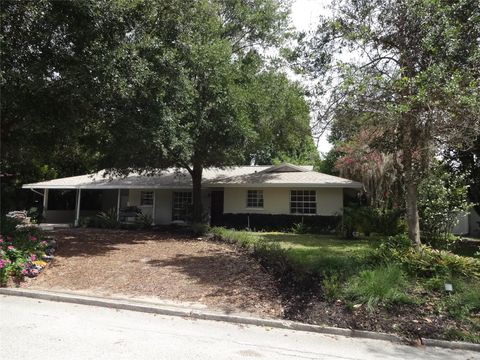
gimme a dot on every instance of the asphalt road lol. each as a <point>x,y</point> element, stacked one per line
<point>37,329</point>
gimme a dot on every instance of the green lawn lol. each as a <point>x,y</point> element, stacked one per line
<point>322,253</point>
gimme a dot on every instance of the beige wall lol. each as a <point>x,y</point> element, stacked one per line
<point>277,201</point>
<point>163,204</point>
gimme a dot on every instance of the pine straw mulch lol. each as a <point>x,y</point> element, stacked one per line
<point>159,265</point>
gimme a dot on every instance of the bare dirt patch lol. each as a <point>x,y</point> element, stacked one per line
<point>160,265</point>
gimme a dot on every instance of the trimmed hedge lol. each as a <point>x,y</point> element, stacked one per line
<point>272,222</point>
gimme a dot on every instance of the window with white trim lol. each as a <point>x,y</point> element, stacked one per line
<point>255,199</point>
<point>181,204</point>
<point>146,198</point>
<point>303,202</point>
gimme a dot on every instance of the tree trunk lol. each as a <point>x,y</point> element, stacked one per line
<point>413,220</point>
<point>196,173</point>
<point>410,141</point>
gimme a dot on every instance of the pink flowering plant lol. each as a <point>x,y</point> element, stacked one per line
<point>20,252</point>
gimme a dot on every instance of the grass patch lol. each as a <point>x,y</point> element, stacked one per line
<point>323,254</point>
<point>386,285</point>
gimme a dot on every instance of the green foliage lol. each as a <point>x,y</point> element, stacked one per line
<point>332,288</point>
<point>199,228</point>
<point>442,198</point>
<point>108,219</point>
<point>143,221</point>
<point>465,299</point>
<point>243,238</point>
<point>383,285</point>
<point>417,86</point>
<point>426,261</point>
<point>301,228</point>
<point>8,225</point>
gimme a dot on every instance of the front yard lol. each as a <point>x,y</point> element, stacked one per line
<point>369,284</point>
<point>160,266</point>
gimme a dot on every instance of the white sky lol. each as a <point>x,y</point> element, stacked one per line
<point>304,16</point>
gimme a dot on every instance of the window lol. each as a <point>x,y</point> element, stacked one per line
<point>181,205</point>
<point>303,202</point>
<point>254,198</point>
<point>146,198</point>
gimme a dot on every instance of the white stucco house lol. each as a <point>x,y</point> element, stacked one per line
<point>243,195</point>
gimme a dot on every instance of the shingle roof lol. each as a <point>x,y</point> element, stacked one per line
<point>258,176</point>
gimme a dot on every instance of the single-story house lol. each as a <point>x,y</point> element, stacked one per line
<point>236,195</point>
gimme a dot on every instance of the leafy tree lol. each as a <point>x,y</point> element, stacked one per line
<point>186,101</point>
<point>466,162</point>
<point>280,117</point>
<point>54,55</point>
<point>412,75</point>
<point>442,198</point>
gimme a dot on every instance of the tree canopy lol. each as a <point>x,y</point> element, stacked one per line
<point>146,85</point>
<point>406,73</point>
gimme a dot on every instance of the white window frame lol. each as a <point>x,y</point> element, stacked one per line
<point>257,198</point>
<point>147,195</point>
<point>181,206</point>
<point>303,197</point>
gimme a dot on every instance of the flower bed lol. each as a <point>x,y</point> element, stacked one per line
<point>24,249</point>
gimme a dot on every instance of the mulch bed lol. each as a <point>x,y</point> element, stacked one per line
<point>159,265</point>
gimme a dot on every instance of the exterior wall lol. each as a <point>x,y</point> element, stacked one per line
<point>163,207</point>
<point>462,227</point>
<point>277,201</point>
<point>474,223</point>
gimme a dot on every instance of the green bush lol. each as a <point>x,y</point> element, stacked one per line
<point>199,228</point>
<point>332,289</point>
<point>385,285</point>
<point>243,238</point>
<point>108,219</point>
<point>8,225</point>
<point>426,261</point>
<point>143,221</point>
<point>300,228</point>
<point>464,300</point>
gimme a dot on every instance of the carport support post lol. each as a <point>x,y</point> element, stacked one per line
<point>118,205</point>
<point>77,207</point>
<point>45,203</point>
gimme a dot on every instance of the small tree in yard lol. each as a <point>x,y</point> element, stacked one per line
<point>414,80</point>
<point>442,198</point>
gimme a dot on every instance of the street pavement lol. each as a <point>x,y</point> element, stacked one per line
<point>38,329</point>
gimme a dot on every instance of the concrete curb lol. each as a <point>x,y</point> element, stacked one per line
<point>163,309</point>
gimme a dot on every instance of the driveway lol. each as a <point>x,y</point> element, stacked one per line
<point>160,266</point>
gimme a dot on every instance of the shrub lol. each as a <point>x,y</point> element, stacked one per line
<point>143,221</point>
<point>465,299</point>
<point>427,261</point>
<point>199,228</point>
<point>332,289</point>
<point>385,285</point>
<point>108,219</point>
<point>242,238</point>
<point>8,225</point>
<point>301,228</point>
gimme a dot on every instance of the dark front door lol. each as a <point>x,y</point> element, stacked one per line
<point>216,207</point>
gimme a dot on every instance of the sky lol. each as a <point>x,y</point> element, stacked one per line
<point>304,16</point>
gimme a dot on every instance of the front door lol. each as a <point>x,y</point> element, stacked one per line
<point>216,207</point>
